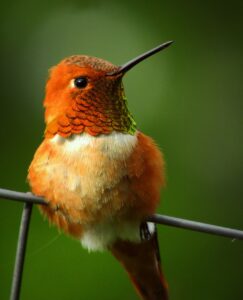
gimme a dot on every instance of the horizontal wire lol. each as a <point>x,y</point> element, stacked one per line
<point>196,226</point>
<point>21,197</point>
<point>156,218</point>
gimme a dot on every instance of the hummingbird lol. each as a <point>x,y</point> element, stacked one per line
<point>100,175</point>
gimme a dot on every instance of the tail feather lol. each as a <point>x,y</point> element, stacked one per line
<point>142,263</point>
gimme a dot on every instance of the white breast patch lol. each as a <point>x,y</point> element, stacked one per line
<point>115,145</point>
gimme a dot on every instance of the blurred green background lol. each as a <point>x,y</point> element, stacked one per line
<point>188,98</point>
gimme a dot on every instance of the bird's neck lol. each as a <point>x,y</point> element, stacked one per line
<point>92,117</point>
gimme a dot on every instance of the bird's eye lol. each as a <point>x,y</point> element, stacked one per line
<point>80,82</point>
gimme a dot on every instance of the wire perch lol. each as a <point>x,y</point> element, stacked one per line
<point>30,199</point>
<point>197,226</point>
<point>20,253</point>
<point>156,218</point>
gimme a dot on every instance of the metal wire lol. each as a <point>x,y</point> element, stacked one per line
<point>197,226</point>
<point>22,197</point>
<point>20,253</point>
<point>160,219</point>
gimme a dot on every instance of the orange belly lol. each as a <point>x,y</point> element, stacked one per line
<point>97,182</point>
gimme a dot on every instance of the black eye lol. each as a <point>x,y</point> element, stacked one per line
<point>80,82</point>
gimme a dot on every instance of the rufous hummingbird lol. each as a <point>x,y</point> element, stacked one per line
<point>100,175</point>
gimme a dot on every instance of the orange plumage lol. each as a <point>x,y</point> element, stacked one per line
<point>135,194</point>
<point>100,176</point>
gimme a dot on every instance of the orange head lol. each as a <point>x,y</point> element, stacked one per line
<point>85,94</point>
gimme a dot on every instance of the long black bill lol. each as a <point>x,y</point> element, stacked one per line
<point>127,66</point>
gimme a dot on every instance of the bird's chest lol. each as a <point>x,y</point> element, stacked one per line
<point>84,173</point>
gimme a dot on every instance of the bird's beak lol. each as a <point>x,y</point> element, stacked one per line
<point>127,66</point>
